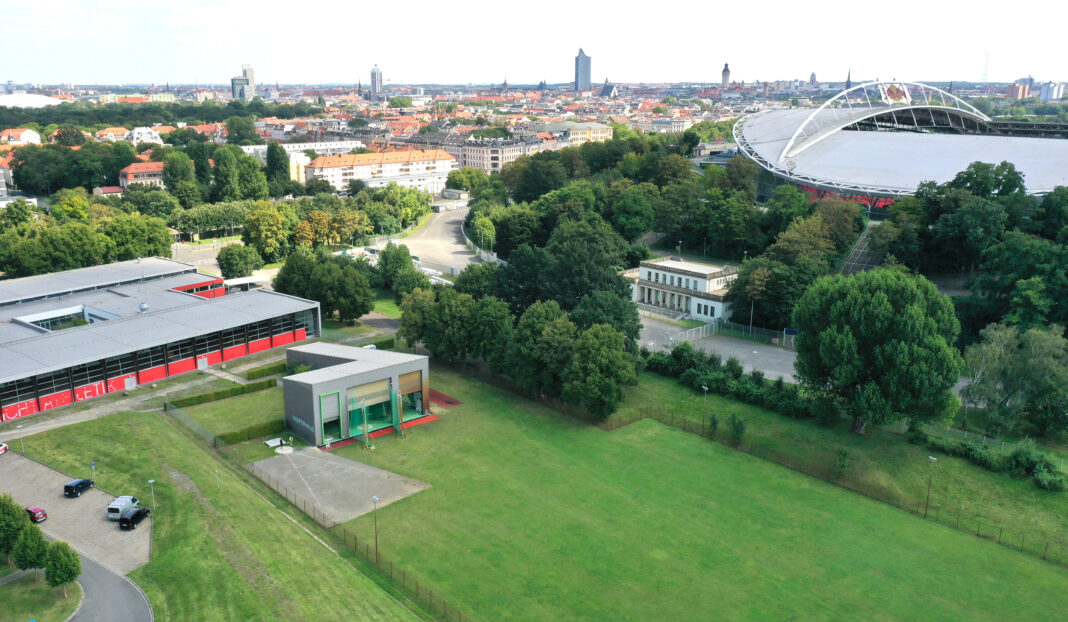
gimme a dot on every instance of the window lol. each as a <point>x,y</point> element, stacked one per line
<point>147,359</point>
<point>233,337</point>
<point>17,391</point>
<point>283,324</point>
<point>90,373</point>
<point>306,320</point>
<point>712,312</point>
<point>207,343</point>
<point>120,365</point>
<point>180,350</point>
<point>53,382</point>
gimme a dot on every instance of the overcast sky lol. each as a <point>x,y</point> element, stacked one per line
<point>476,41</point>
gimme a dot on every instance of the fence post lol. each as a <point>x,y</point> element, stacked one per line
<point>978,527</point>
<point>1046,550</point>
<point>1022,536</point>
<point>1000,531</point>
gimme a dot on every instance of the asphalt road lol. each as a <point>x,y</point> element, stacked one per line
<point>110,596</point>
<point>441,242</point>
<point>774,361</point>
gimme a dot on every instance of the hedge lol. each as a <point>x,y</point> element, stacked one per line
<point>241,389</point>
<point>269,370</point>
<point>253,431</point>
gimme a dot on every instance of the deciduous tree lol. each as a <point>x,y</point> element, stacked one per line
<point>599,371</point>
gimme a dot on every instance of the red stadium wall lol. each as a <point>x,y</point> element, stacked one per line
<point>21,409</point>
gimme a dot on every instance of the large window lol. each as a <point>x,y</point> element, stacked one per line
<point>180,350</point>
<point>53,382</point>
<point>17,391</point>
<point>121,365</point>
<point>207,343</point>
<point>283,324</point>
<point>233,337</point>
<point>147,359</point>
<point>90,373</point>
<point>259,330</point>
<point>306,320</point>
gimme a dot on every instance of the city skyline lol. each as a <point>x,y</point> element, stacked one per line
<point>956,46</point>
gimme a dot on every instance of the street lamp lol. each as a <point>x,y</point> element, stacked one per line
<point>930,475</point>
<point>374,500</point>
<point>22,443</point>
<point>705,389</point>
<point>152,484</point>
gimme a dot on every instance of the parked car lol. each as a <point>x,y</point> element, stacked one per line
<point>77,487</point>
<point>37,514</point>
<point>120,505</point>
<point>3,448</point>
<point>132,517</point>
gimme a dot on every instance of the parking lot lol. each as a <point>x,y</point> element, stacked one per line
<point>80,521</point>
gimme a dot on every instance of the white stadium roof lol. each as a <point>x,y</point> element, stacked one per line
<point>28,100</point>
<point>930,135</point>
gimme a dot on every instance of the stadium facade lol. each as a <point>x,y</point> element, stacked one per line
<point>71,336</point>
<point>878,141</point>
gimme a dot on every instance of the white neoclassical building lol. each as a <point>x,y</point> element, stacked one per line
<point>678,287</point>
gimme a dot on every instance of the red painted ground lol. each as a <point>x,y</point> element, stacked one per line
<point>436,397</point>
<point>380,433</point>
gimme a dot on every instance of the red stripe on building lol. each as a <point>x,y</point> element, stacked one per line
<point>153,374</point>
<point>55,400</point>
<point>281,340</point>
<point>233,352</point>
<point>182,366</point>
<point>119,383</point>
<point>87,391</point>
<point>259,346</point>
<point>21,409</point>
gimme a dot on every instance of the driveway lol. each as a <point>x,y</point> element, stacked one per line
<point>80,521</point>
<point>110,596</point>
<point>774,361</point>
<point>441,242</point>
<point>203,256</point>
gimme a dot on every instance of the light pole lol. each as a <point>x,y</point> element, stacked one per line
<point>930,476</point>
<point>679,247</point>
<point>152,484</point>
<point>374,500</point>
<point>22,443</point>
<point>705,389</point>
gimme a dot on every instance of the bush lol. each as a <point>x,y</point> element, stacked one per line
<point>661,363</point>
<point>823,410</point>
<point>253,431</point>
<point>715,361</point>
<point>713,426</point>
<point>841,460</point>
<point>241,389</point>
<point>916,436</point>
<point>734,368</point>
<point>269,370</point>
<point>1048,478</point>
<point>735,430</point>
<point>1025,459</point>
<point>981,455</point>
<point>297,368</point>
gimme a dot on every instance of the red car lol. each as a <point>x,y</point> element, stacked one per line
<point>37,514</point>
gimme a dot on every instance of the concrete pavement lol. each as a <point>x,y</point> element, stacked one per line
<point>110,596</point>
<point>441,242</point>
<point>774,361</point>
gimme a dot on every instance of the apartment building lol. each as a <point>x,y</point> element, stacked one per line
<point>678,287</point>
<point>150,173</point>
<point>426,170</point>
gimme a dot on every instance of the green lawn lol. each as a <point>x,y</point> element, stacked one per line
<point>219,550</point>
<point>534,516</point>
<point>334,330</point>
<point>26,598</point>
<point>237,413</point>
<point>880,462</point>
<point>385,305</point>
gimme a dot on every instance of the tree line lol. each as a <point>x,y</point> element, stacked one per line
<point>24,542</point>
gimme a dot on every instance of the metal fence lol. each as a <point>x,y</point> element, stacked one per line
<point>407,583</point>
<point>732,329</point>
<point>939,506</point>
<point>483,255</point>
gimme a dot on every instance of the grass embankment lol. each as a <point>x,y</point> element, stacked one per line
<point>880,462</point>
<point>219,550</point>
<point>28,598</point>
<point>534,516</point>
<point>238,413</point>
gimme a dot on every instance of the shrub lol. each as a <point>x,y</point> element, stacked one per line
<point>1024,459</point>
<point>735,430</point>
<point>757,377</point>
<point>734,368</point>
<point>241,389</point>
<point>713,426</point>
<point>981,455</point>
<point>660,363</point>
<point>684,357</point>
<point>841,460</point>
<point>268,370</point>
<point>824,410</point>
<point>253,431</point>
<point>297,368</point>
<point>916,436</point>
<point>714,360</point>
<point>1048,478</point>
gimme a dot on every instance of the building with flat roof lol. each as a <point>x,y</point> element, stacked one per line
<point>149,173</point>
<point>582,71</point>
<point>70,336</point>
<point>353,392</point>
<point>678,287</point>
<point>426,170</point>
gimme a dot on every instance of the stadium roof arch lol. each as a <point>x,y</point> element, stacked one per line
<point>882,139</point>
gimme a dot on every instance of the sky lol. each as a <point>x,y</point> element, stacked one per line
<point>480,42</point>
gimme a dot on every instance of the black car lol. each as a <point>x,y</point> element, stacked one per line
<point>77,487</point>
<point>132,517</point>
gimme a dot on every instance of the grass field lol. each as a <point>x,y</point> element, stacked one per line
<point>334,330</point>
<point>26,598</point>
<point>533,516</point>
<point>879,460</point>
<point>385,305</point>
<point>220,551</point>
<point>237,413</point>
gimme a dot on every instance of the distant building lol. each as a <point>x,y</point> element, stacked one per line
<point>1051,91</point>
<point>150,173</point>
<point>664,125</point>
<point>812,79</point>
<point>1019,90</point>
<point>143,135</point>
<point>376,81</point>
<point>20,136</point>
<point>608,90</point>
<point>425,170</point>
<point>725,76</point>
<point>244,85</point>
<point>324,148</point>
<point>677,287</point>
<point>582,71</point>
<point>112,133</point>
<point>577,133</point>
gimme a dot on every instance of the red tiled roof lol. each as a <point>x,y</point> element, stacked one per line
<point>143,167</point>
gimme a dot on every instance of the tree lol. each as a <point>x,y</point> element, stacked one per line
<point>134,236</point>
<point>265,231</point>
<point>416,309</point>
<point>604,307</point>
<point>30,549</point>
<point>407,279</point>
<point>673,169</point>
<point>1030,303</point>
<point>238,260</point>
<point>179,177</point>
<point>467,178</point>
<point>539,177</point>
<point>479,279</point>
<point>71,205</point>
<point>491,332</point>
<point>400,102</point>
<point>880,344</point>
<point>391,260</point>
<point>227,186</point>
<point>484,232</point>
<point>70,136</point>
<point>62,565</point>
<point>805,237</point>
<point>448,333</point>
<point>277,171</point>
<point>968,231</point>
<point>16,213</point>
<point>250,179</point>
<point>541,349</point>
<point>315,186</point>
<point>13,520</point>
<point>843,221</point>
<point>295,274</point>
<point>340,288</point>
<point>742,175</point>
<point>242,131</point>
<point>599,371</point>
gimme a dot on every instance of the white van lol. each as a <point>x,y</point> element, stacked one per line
<point>120,505</point>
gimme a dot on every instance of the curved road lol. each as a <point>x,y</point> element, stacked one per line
<point>110,596</point>
<point>441,242</point>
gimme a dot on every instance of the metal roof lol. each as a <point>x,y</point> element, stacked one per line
<point>351,361</point>
<point>47,352</point>
<point>814,146</point>
<point>94,277</point>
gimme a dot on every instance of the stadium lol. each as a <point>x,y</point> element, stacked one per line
<point>877,141</point>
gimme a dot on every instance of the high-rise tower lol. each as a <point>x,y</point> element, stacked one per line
<point>582,71</point>
<point>376,81</point>
<point>726,76</point>
<point>244,85</point>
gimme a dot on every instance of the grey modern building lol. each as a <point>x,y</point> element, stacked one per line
<point>376,81</point>
<point>244,85</point>
<point>74,335</point>
<point>353,392</point>
<point>582,71</point>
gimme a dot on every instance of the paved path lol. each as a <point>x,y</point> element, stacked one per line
<point>774,361</point>
<point>14,575</point>
<point>110,596</point>
<point>441,242</point>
